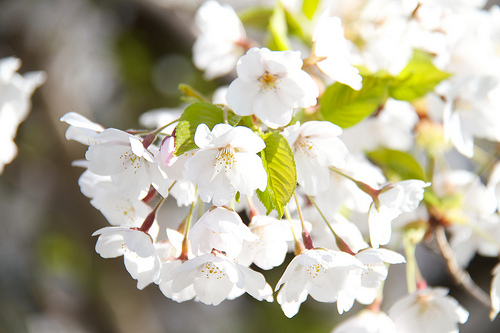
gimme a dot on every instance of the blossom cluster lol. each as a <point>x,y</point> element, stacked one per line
<point>327,152</point>
<point>15,104</point>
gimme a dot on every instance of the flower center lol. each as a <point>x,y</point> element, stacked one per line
<point>268,82</point>
<point>463,105</point>
<point>131,161</point>
<point>225,159</point>
<point>212,272</point>
<point>316,270</point>
<point>305,147</point>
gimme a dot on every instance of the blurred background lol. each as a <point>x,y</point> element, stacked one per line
<point>112,60</point>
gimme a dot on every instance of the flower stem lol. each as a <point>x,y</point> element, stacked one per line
<point>187,226</point>
<point>411,263</point>
<point>342,245</point>
<point>306,237</point>
<point>151,137</point>
<point>148,222</point>
<point>361,185</point>
<point>253,211</point>
<point>299,247</point>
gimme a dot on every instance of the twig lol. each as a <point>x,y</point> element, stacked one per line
<point>461,276</point>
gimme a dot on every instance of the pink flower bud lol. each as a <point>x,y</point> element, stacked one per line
<point>167,151</point>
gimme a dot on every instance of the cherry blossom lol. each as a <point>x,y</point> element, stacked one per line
<point>270,249</point>
<point>321,273</point>
<point>15,104</point>
<point>81,129</point>
<point>374,271</point>
<point>367,321</point>
<point>116,241</point>
<point>214,278</point>
<point>393,200</point>
<point>131,166</point>
<point>316,147</point>
<point>495,292</point>
<point>166,279</point>
<point>105,197</point>
<point>221,39</point>
<point>220,229</point>
<point>330,43</point>
<point>271,84</point>
<point>226,163</point>
<point>136,246</point>
<point>475,226</point>
<point>429,310</point>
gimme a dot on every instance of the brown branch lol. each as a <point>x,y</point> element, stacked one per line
<point>461,276</point>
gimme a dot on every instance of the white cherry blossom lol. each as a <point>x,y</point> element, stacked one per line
<point>116,241</point>
<point>184,191</point>
<point>105,197</point>
<point>220,43</point>
<point>330,43</point>
<point>167,275</point>
<point>147,270</point>
<point>316,147</point>
<point>271,84</point>
<point>367,321</point>
<point>220,229</point>
<point>214,278</point>
<point>475,227</point>
<point>136,246</point>
<point>470,111</point>
<point>226,163</point>
<point>15,104</point>
<point>270,249</point>
<point>16,89</point>
<point>8,129</point>
<point>131,166</point>
<point>495,292</point>
<point>343,191</point>
<point>392,201</point>
<point>321,273</point>
<point>430,310</point>
<point>81,129</point>
<point>375,271</point>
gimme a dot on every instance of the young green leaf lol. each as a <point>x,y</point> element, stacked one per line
<point>279,30</point>
<point>190,92</point>
<point>309,7</point>
<point>279,164</point>
<point>193,115</point>
<point>345,107</point>
<point>397,165</point>
<point>257,17</point>
<point>417,79</point>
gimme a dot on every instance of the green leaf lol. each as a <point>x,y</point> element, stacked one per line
<point>397,165</point>
<point>190,92</point>
<point>345,107</point>
<point>256,17</point>
<point>279,163</point>
<point>279,30</point>
<point>247,121</point>
<point>193,115</point>
<point>417,79</point>
<point>309,8</point>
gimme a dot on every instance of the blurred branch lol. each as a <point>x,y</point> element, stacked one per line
<point>461,276</point>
